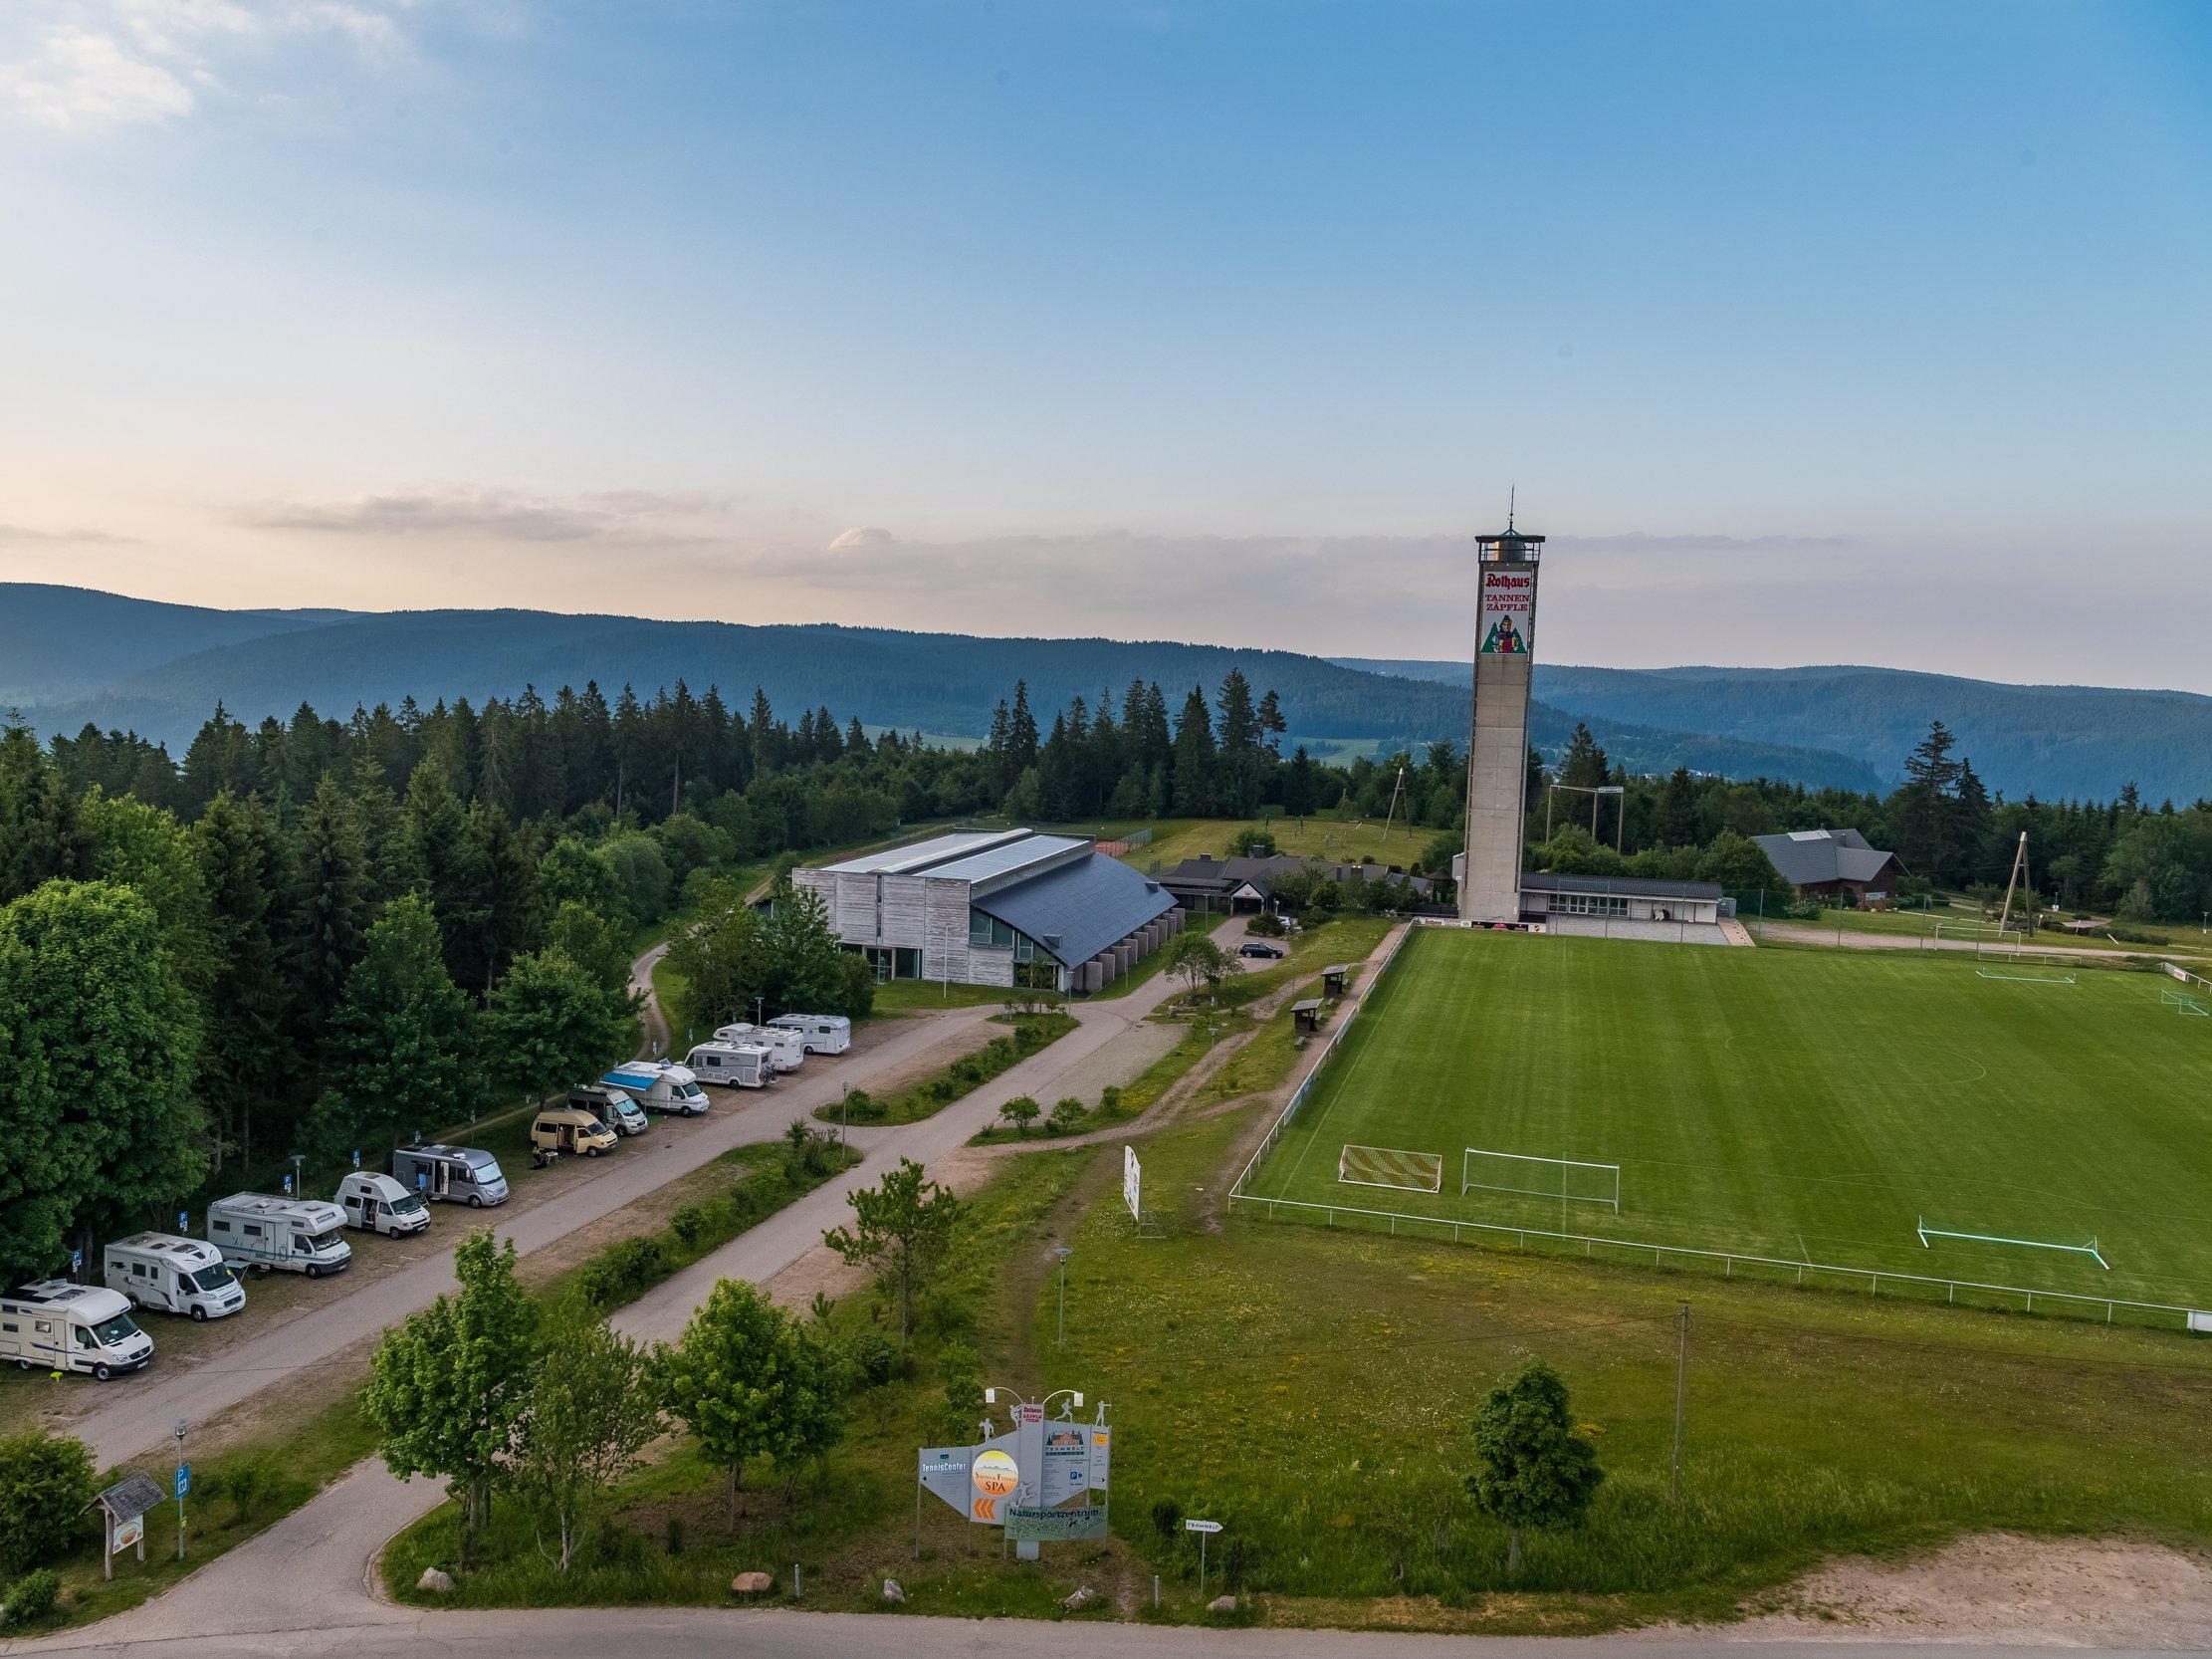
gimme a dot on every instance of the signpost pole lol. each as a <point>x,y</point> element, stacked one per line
<point>1682,1394</point>
<point>1201,1566</point>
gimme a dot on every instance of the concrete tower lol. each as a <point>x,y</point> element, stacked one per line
<point>1497,752</point>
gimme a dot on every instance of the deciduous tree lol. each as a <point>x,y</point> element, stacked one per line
<point>446,1388</point>
<point>593,1407</point>
<point>1536,1469</point>
<point>902,1229</point>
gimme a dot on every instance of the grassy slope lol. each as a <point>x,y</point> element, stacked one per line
<point>1789,1102</point>
<point>1176,839</point>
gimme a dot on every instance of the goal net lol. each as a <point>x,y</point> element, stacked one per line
<point>1384,1166</point>
<point>1568,1179</point>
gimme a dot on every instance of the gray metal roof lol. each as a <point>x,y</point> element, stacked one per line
<point>1008,858</point>
<point>922,855</point>
<point>1624,887</point>
<point>1805,858</point>
<point>1078,909</point>
<point>133,1495</point>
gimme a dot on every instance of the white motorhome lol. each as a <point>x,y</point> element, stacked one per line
<point>55,1326</point>
<point>381,1204</point>
<point>177,1276</point>
<point>787,1047</point>
<point>733,1065</point>
<point>657,1085</point>
<point>821,1034</point>
<point>298,1235</point>
<point>455,1174</point>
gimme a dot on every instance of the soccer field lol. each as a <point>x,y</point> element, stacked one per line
<point>1805,1105</point>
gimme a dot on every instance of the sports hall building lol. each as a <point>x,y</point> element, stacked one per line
<point>995,907</point>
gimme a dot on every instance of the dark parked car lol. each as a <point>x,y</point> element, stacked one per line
<point>1256,948</point>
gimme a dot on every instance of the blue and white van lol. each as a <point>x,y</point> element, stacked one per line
<point>295,1235</point>
<point>658,1086</point>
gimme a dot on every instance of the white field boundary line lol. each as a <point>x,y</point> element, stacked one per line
<point>1305,1083</point>
<point>1726,1256</point>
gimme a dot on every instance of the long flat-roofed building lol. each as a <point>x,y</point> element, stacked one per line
<point>995,907</point>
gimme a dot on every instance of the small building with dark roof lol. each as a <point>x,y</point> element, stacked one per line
<point>1248,884</point>
<point>1822,864</point>
<point>995,907</point>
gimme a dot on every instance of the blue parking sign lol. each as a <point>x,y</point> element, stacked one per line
<point>183,1479</point>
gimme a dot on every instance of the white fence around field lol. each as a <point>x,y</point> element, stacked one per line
<point>1665,1255</point>
<point>1305,1083</point>
<point>1661,1255</point>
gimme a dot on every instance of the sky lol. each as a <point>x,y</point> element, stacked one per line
<point>1853,333</point>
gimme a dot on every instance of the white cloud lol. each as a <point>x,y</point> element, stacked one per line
<point>81,64</point>
<point>862,536</point>
<point>77,77</point>
<point>631,517</point>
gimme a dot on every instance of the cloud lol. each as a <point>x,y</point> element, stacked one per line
<point>862,536</point>
<point>634,517</point>
<point>83,64</point>
<point>18,535</point>
<point>78,78</point>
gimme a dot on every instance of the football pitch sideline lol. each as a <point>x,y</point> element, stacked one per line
<point>1838,1109</point>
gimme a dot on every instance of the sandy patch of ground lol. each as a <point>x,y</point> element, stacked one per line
<point>1998,1588</point>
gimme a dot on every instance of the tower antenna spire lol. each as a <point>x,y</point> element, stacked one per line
<point>1511,491</point>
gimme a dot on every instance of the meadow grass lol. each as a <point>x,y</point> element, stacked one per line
<point>1319,836</point>
<point>1799,1104</point>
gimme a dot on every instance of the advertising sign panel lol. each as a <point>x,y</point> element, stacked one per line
<point>1028,1526</point>
<point>995,1475</point>
<point>1067,1462</point>
<point>1132,1177</point>
<point>1508,626</point>
<point>1102,1454</point>
<point>128,1533</point>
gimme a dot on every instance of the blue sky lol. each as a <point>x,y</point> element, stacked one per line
<point>1853,333</point>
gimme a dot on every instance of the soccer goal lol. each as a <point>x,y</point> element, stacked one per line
<point>2090,1250</point>
<point>1387,1166</point>
<point>1569,1179</point>
<point>2025,979</point>
<point>2186,1005</point>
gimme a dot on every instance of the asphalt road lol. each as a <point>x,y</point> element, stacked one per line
<point>144,1407</point>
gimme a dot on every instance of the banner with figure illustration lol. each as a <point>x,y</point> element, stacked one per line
<point>1508,622</point>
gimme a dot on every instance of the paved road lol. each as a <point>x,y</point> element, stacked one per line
<point>146,1406</point>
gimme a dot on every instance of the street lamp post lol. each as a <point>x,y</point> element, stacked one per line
<point>181,1480</point>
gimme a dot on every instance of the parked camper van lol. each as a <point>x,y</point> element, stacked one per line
<point>298,1235</point>
<point>177,1275</point>
<point>659,1087</point>
<point>733,1065</point>
<point>454,1174</point>
<point>819,1034</point>
<point>55,1326</point>
<point>567,1129</point>
<point>381,1205</point>
<point>610,1106</point>
<point>789,1050</point>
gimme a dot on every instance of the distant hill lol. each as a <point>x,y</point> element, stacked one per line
<point>2056,741</point>
<point>160,669</point>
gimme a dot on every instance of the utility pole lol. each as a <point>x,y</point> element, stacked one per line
<point>1681,1399</point>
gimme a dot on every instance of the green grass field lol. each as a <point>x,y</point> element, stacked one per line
<point>1805,1105</point>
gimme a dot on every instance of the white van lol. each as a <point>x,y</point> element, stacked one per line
<point>659,1087</point>
<point>819,1034</point>
<point>733,1065</point>
<point>456,1174</point>
<point>177,1275</point>
<point>298,1235</point>
<point>381,1205</point>
<point>55,1326</point>
<point>786,1046</point>
<point>610,1106</point>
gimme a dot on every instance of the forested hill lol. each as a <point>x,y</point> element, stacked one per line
<point>99,660</point>
<point>2055,741</point>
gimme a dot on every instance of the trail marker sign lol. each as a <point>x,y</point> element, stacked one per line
<point>1132,1183</point>
<point>1202,1526</point>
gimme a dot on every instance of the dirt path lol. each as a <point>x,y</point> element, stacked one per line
<point>1997,1587</point>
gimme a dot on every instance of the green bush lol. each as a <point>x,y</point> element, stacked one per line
<point>32,1598</point>
<point>1109,1101</point>
<point>1067,1111</point>
<point>689,1224</point>
<point>862,1107</point>
<point>875,1361</point>
<point>623,1269</point>
<point>44,1484</point>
